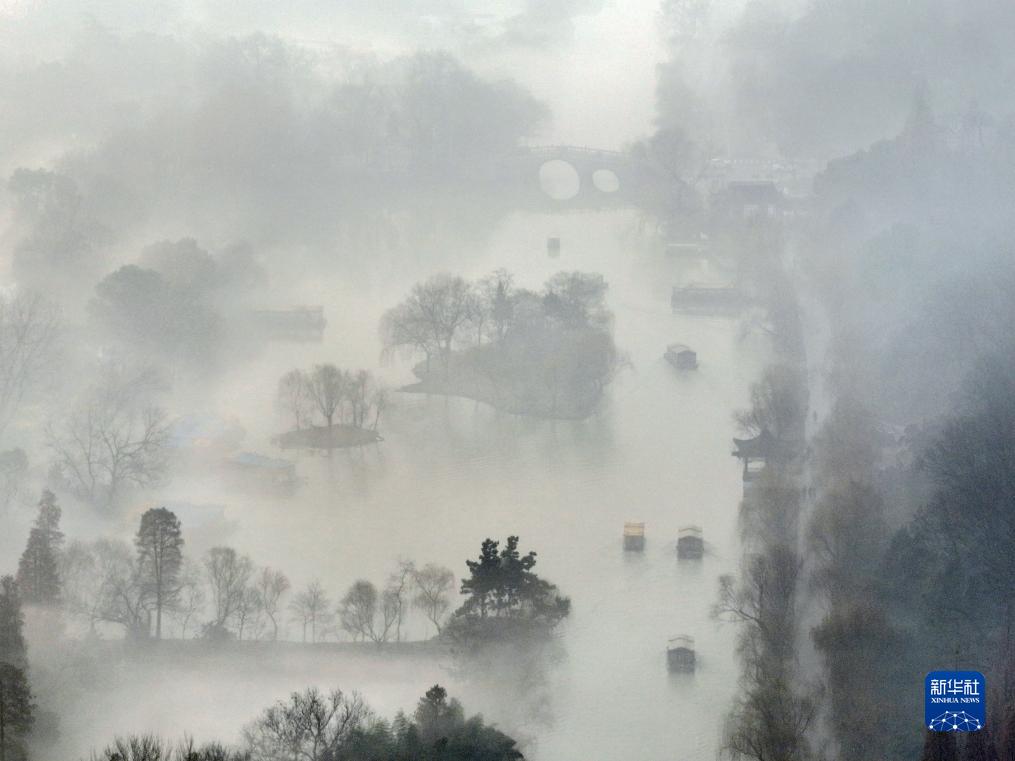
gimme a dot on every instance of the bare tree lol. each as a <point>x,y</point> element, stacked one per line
<point>434,585</point>
<point>191,598</point>
<point>478,311</point>
<point>294,397</point>
<point>772,717</point>
<point>396,594</point>
<point>102,582</point>
<point>349,396</point>
<point>29,326</point>
<point>228,574</point>
<point>327,388</point>
<point>403,329</point>
<point>271,585</point>
<point>136,748</point>
<point>361,389</point>
<point>358,612</point>
<point>777,405</point>
<point>392,610</point>
<point>311,609</point>
<point>431,319</point>
<point>762,599</point>
<point>248,613</point>
<point>309,726</point>
<point>379,403</point>
<point>125,593</point>
<point>771,721</point>
<point>114,437</point>
<point>154,748</point>
<point>82,582</point>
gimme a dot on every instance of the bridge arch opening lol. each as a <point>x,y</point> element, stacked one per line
<point>606,181</point>
<point>559,180</point>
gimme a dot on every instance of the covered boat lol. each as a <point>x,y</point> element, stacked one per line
<point>690,545</point>
<point>681,357</point>
<point>680,654</point>
<point>634,536</point>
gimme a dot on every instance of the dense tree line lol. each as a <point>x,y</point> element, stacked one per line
<point>222,597</point>
<point>338,726</point>
<point>776,707</point>
<point>909,535</point>
<point>17,705</point>
<point>107,582</point>
<point>225,597</point>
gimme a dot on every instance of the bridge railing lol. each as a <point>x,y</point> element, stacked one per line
<point>558,150</point>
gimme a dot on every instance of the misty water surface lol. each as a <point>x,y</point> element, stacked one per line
<point>451,472</point>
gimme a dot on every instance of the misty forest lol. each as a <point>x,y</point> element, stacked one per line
<point>557,379</point>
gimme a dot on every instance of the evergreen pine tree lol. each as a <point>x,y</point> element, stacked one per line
<point>505,599</point>
<point>38,575</point>
<point>516,577</point>
<point>160,555</point>
<point>483,581</point>
<point>16,712</point>
<point>15,697</point>
<point>436,718</point>
<point>12,621</point>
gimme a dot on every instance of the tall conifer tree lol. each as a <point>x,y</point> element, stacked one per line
<point>38,570</point>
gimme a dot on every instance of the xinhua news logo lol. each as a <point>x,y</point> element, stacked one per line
<point>955,701</point>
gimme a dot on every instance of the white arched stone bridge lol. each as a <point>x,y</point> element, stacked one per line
<point>563,177</point>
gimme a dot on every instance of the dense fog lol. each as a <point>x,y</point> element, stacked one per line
<point>555,380</point>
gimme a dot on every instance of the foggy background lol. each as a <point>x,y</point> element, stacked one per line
<point>174,171</point>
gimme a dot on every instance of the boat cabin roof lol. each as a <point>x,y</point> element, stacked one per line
<point>634,529</point>
<point>680,349</point>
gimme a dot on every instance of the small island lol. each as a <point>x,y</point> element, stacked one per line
<point>348,403</point>
<point>547,353</point>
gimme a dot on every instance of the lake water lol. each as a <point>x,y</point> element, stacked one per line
<point>451,472</point>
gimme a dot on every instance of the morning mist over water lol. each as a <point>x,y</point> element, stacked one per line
<point>565,380</point>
